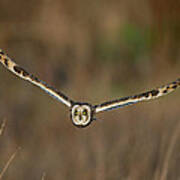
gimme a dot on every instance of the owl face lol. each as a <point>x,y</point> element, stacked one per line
<point>81,114</point>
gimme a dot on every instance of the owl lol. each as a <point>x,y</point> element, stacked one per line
<point>82,113</point>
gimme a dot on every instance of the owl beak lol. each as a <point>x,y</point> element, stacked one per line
<point>80,117</point>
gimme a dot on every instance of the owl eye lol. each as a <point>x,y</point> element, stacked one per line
<point>85,112</point>
<point>76,112</point>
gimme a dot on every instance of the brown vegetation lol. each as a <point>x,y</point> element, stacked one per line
<point>93,51</point>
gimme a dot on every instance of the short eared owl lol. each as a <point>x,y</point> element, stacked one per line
<point>82,114</point>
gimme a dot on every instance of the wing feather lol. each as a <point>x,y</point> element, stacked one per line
<point>146,96</point>
<point>22,73</point>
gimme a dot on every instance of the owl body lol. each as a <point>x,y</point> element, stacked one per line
<point>82,113</point>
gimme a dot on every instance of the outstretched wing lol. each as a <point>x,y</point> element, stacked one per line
<point>22,73</point>
<point>146,96</point>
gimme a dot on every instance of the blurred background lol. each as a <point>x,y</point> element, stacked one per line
<point>92,51</point>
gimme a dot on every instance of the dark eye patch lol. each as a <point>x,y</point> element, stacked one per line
<point>76,112</point>
<point>85,112</point>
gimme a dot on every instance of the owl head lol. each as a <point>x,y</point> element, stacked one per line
<point>81,114</point>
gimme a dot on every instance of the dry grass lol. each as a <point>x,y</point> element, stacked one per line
<point>3,124</point>
<point>12,157</point>
<point>43,176</point>
<point>169,153</point>
<point>9,162</point>
<point>2,127</point>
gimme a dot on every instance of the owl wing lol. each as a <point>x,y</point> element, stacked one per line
<point>22,73</point>
<point>146,96</point>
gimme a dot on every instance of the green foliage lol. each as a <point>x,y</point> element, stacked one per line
<point>132,42</point>
<point>136,40</point>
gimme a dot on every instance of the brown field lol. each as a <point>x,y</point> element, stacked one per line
<point>93,51</point>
